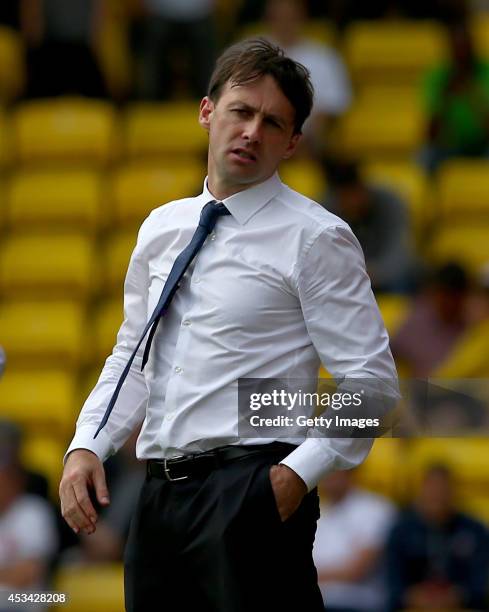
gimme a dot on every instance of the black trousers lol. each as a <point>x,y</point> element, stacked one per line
<point>217,544</point>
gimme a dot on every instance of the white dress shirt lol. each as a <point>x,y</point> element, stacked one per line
<point>278,287</point>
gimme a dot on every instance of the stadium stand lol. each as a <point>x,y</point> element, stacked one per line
<point>49,199</point>
<point>67,129</point>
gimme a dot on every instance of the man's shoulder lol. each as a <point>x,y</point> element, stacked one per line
<point>306,211</point>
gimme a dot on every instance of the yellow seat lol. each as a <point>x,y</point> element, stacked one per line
<point>12,64</point>
<point>139,187</point>
<point>410,183</point>
<point>5,140</point>
<point>479,27</point>
<point>117,252</point>
<point>470,356</point>
<point>47,265</point>
<point>43,333</point>
<point>164,130</point>
<point>463,190</point>
<point>394,309</point>
<point>43,403</point>
<point>304,176</point>
<point>55,199</point>
<point>98,587</point>
<point>393,52</point>
<point>380,470</point>
<point>44,454</point>
<point>107,320</point>
<point>372,131</point>
<point>468,458</point>
<point>468,245</point>
<point>65,130</point>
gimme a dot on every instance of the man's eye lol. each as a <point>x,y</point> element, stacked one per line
<point>241,111</point>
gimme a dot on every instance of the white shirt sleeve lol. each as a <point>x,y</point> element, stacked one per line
<point>129,410</point>
<point>346,328</point>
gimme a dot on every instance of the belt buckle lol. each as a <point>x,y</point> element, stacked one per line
<point>167,469</point>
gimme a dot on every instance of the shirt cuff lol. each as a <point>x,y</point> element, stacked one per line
<point>102,445</point>
<point>308,462</point>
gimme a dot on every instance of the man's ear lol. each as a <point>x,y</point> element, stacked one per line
<point>205,112</point>
<point>292,146</point>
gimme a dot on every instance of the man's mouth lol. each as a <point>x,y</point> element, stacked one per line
<point>244,154</point>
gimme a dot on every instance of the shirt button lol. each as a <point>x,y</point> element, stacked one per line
<point>170,416</point>
<point>213,236</point>
<point>178,370</point>
<point>197,280</point>
<point>186,323</point>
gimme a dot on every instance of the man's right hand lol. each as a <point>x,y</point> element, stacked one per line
<point>83,471</point>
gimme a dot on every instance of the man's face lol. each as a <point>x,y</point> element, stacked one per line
<point>251,130</point>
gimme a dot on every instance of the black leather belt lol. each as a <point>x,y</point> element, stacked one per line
<point>184,467</point>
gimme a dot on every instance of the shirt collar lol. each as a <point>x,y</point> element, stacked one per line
<point>244,204</point>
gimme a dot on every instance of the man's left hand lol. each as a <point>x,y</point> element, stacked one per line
<point>288,488</point>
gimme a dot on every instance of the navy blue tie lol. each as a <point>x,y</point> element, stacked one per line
<point>208,219</point>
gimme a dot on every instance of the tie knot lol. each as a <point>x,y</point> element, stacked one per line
<point>210,213</point>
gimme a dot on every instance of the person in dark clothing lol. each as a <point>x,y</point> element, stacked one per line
<point>60,38</point>
<point>379,220</point>
<point>437,557</point>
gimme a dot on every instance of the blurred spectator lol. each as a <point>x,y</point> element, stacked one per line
<point>437,557</point>
<point>177,45</point>
<point>379,220</point>
<point>285,20</point>
<point>436,322</point>
<point>10,13</point>
<point>457,103</point>
<point>28,537</point>
<point>11,444</point>
<point>349,543</point>
<point>61,38</point>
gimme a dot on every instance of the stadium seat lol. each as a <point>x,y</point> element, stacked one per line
<point>382,468</point>
<point>107,320</point>
<point>116,254</point>
<point>304,176</point>
<point>393,52</point>
<point>463,191</point>
<point>169,129</point>
<point>394,309</point>
<point>479,27</point>
<point>98,588</point>
<point>387,132</point>
<point>5,140</point>
<point>468,245</point>
<point>43,334</point>
<point>43,454</point>
<point>139,187</point>
<point>41,402</point>
<point>470,357</point>
<point>64,199</point>
<point>411,184</point>
<point>12,64</point>
<point>74,130</point>
<point>47,265</point>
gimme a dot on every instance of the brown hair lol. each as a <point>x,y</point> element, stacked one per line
<point>253,58</point>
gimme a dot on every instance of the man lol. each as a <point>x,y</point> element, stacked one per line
<point>279,285</point>
<point>437,557</point>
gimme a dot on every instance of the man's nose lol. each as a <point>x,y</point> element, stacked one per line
<point>253,130</point>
